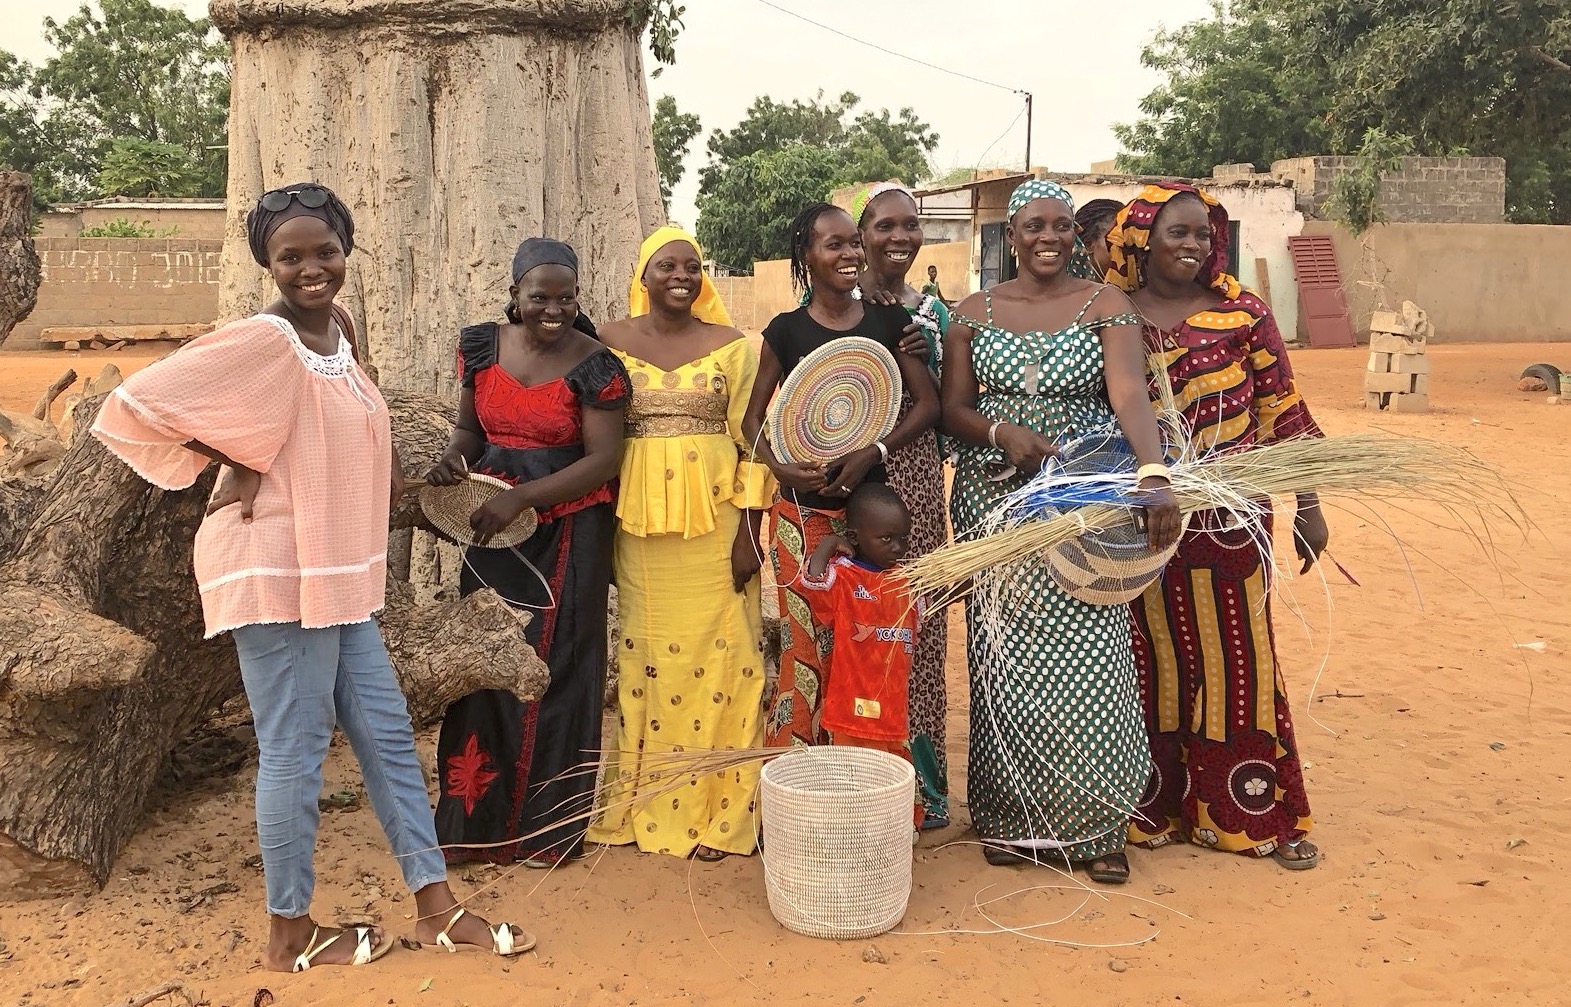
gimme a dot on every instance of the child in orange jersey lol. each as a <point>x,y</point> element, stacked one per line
<point>849,585</point>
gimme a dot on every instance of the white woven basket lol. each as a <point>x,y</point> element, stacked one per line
<point>837,840</point>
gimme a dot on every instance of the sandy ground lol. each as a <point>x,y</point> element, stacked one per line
<point>1436,756</point>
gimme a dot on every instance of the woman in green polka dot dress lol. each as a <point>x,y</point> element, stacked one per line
<point>1058,755</point>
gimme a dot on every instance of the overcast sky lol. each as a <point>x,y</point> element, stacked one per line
<point>1081,61</point>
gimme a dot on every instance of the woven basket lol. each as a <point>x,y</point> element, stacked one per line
<point>1113,566</point>
<point>837,840</point>
<point>450,507</point>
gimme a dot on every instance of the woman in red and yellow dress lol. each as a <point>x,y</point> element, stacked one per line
<point>1227,771</point>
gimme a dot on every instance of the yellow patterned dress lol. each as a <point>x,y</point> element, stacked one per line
<point>691,653</point>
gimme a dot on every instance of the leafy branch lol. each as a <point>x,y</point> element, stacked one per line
<point>663,18</point>
<point>1355,193</point>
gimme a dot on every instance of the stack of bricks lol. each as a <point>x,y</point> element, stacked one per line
<point>1398,374</point>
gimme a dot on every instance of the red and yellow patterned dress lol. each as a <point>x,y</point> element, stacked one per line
<point>1226,767</point>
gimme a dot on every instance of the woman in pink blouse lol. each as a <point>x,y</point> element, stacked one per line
<point>291,559</point>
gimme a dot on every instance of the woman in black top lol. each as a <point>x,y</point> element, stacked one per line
<point>827,259</point>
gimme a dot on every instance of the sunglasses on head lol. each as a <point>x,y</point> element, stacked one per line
<point>311,197</point>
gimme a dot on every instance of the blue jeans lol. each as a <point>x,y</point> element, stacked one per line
<point>300,682</point>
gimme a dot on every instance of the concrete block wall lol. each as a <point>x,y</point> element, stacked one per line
<point>202,221</point>
<point>122,281</point>
<point>736,292</point>
<point>1428,190</point>
<point>1479,283</point>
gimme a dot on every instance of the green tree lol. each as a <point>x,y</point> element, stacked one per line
<point>1238,89</point>
<point>747,193</point>
<point>137,167</point>
<point>747,216</point>
<point>1279,78</point>
<point>772,125</point>
<point>22,146</point>
<point>1355,194</point>
<point>132,70</point>
<point>122,227</point>
<point>674,132</point>
<point>1485,77</point>
<point>663,20</point>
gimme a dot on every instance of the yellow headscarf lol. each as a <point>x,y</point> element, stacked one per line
<point>707,306</point>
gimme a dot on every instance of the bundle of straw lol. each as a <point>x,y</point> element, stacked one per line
<point>1360,466</point>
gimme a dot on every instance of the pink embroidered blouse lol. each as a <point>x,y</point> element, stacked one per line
<point>316,428</point>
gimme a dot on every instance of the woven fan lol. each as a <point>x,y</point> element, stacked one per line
<point>450,507</point>
<point>840,398</point>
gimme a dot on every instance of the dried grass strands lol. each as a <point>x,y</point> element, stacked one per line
<point>660,774</point>
<point>1361,466</point>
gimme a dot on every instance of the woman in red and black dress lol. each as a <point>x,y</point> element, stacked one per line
<point>542,407</point>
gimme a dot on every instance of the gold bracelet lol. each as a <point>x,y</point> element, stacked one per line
<point>1156,470</point>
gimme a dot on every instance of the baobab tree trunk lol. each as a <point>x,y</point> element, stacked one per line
<point>103,668</point>
<point>453,129</point>
<point>20,272</point>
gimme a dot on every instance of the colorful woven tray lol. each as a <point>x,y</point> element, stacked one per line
<point>838,399</point>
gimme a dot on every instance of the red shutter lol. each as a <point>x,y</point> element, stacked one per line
<point>1320,294</point>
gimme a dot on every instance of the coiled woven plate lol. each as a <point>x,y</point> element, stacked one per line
<point>1113,566</point>
<point>838,399</point>
<point>450,507</point>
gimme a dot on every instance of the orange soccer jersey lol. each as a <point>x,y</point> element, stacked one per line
<point>869,667</point>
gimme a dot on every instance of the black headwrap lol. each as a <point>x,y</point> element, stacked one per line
<point>543,252</point>
<point>260,223</point>
<point>547,252</point>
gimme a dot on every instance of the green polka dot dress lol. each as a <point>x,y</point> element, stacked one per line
<point>1058,753</point>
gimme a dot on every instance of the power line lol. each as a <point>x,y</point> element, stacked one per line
<point>892,52</point>
<point>1005,133</point>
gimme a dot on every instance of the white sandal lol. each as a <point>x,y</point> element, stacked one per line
<point>503,942</point>
<point>365,954</point>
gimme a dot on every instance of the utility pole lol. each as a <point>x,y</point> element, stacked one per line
<point>1028,129</point>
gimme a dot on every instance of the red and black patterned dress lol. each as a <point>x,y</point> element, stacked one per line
<point>1227,772</point>
<point>500,758</point>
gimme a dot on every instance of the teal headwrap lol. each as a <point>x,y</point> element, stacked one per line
<point>1038,188</point>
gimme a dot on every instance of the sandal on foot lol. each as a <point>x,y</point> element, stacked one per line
<point>1005,855</point>
<point>1114,869</point>
<point>709,855</point>
<point>365,954</point>
<point>1002,856</point>
<point>1306,855</point>
<point>503,941</point>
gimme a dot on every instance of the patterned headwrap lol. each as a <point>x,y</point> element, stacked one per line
<point>1130,237</point>
<point>1080,265</point>
<point>707,306</point>
<point>1038,188</point>
<point>868,193</point>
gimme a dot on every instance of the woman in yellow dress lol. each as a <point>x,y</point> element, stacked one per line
<point>687,561</point>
